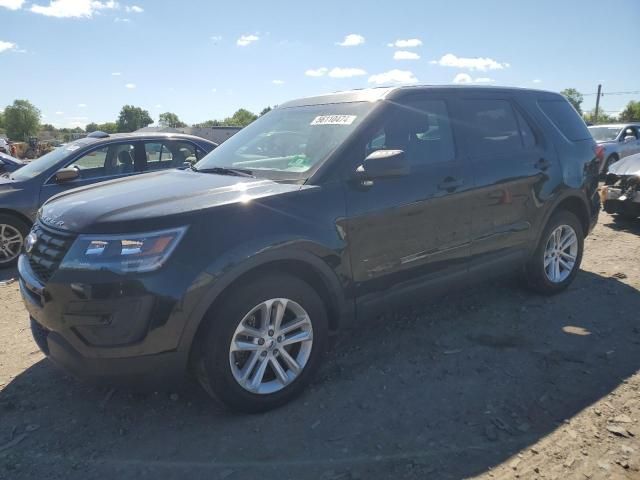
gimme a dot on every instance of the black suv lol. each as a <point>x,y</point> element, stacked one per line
<point>320,212</point>
<point>96,158</point>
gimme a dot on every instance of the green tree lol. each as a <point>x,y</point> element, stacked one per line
<point>1,120</point>
<point>47,127</point>
<point>631,113</point>
<point>241,118</point>
<point>91,127</point>
<point>265,110</point>
<point>169,119</point>
<point>209,124</point>
<point>133,118</point>
<point>575,98</point>
<point>590,116</point>
<point>22,119</point>
<point>108,127</point>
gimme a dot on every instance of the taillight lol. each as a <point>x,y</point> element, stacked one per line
<point>599,151</point>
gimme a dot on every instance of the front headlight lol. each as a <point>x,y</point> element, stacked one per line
<point>139,252</point>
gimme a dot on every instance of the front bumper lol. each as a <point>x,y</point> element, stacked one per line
<point>111,330</point>
<point>614,200</point>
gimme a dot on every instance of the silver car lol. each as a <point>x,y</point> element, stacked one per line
<point>618,141</point>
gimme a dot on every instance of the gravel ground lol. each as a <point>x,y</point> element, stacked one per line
<point>489,383</point>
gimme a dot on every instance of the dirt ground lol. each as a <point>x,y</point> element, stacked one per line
<point>489,383</point>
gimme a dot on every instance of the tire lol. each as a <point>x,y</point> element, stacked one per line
<point>611,159</point>
<point>537,276</point>
<point>13,231</point>
<point>217,367</point>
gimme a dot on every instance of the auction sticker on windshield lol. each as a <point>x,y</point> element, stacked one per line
<point>333,120</point>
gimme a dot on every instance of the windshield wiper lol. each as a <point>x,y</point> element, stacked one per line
<point>238,172</point>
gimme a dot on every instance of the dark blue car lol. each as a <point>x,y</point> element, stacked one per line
<point>96,158</point>
<point>9,164</point>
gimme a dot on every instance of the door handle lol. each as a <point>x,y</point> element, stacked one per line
<point>542,164</point>
<point>450,184</point>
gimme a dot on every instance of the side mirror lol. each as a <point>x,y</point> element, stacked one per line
<point>629,138</point>
<point>385,164</point>
<point>67,174</point>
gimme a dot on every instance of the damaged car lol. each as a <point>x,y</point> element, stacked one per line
<point>621,192</point>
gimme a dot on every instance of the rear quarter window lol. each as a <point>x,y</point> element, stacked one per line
<point>565,118</point>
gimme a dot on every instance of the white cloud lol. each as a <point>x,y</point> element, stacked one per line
<point>338,72</point>
<point>277,82</point>
<point>393,76</point>
<point>122,20</point>
<point>82,105</point>
<point>215,38</point>
<point>318,72</point>
<point>405,55</point>
<point>116,74</point>
<point>463,78</point>
<point>536,80</point>
<point>351,40</point>
<point>245,40</point>
<point>159,105</point>
<point>59,113</point>
<point>12,4</point>
<point>73,8</point>
<point>130,85</point>
<point>134,9</point>
<point>409,43</point>
<point>478,63</point>
<point>214,90</point>
<point>4,46</point>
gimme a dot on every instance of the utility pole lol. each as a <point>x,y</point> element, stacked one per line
<point>595,116</point>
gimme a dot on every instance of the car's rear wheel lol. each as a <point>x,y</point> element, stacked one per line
<point>557,258</point>
<point>262,345</point>
<point>12,234</point>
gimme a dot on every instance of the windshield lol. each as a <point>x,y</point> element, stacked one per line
<point>604,134</point>
<point>288,142</point>
<point>44,163</point>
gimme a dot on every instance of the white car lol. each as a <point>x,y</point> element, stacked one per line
<point>618,141</point>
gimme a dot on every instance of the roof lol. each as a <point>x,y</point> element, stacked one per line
<point>617,125</point>
<point>382,93</point>
<point>138,135</point>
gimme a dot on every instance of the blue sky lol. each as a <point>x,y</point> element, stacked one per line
<point>81,60</point>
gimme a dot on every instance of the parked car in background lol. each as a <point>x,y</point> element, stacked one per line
<point>242,266</point>
<point>96,158</point>
<point>9,163</point>
<point>617,140</point>
<point>621,191</point>
<point>5,146</point>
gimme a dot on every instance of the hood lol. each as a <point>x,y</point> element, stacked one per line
<point>152,199</point>
<point>627,166</point>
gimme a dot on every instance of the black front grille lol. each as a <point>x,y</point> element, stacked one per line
<point>48,251</point>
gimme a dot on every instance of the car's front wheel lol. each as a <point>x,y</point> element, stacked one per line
<point>557,258</point>
<point>12,234</point>
<point>262,345</point>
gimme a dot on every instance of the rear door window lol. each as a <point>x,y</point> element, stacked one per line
<point>565,118</point>
<point>170,154</point>
<point>493,128</point>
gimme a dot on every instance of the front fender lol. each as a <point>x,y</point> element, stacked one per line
<point>233,264</point>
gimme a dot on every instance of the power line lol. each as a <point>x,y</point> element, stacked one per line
<point>635,92</point>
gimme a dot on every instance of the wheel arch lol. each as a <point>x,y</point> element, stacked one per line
<point>572,203</point>
<point>303,265</point>
<point>18,215</point>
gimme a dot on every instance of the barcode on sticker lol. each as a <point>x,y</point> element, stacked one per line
<point>334,120</point>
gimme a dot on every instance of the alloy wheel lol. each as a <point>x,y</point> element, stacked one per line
<point>10,243</point>
<point>560,253</point>
<point>271,346</point>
